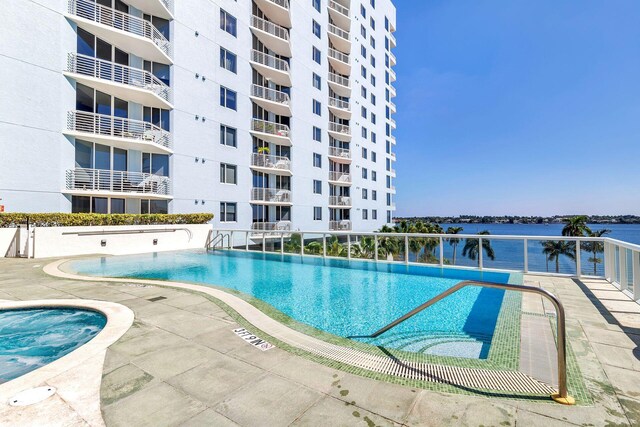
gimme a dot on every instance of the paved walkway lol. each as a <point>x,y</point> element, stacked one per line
<point>181,364</point>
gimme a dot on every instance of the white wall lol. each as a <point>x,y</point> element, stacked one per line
<point>7,236</point>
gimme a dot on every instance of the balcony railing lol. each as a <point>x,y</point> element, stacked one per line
<point>272,128</point>
<point>117,73</point>
<point>271,226</point>
<point>270,195</point>
<point>339,176</point>
<point>270,94</point>
<point>338,8</point>
<point>118,181</point>
<point>339,201</point>
<point>339,32</point>
<point>281,3</point>
<point>344,225</point>
<point>269,61</point>
<point>270,27</point>
<point>344,153</point>
<point>338,103</point>
<point>118,127</point>
<point>342,57</point>
<point>392,121</point>
<point>270,161</point>
<point>343,81</point>
<point>120,21</point>
<point>338,128</point>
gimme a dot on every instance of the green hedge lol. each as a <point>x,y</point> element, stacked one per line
<point>82,219</point>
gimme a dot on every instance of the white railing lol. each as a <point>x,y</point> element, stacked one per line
<point>281,3</point>
<point>270,27</point>
<point>270,94</point>
<point>271,195</point>
<point>117,181</point>
<point>92,11</point>
<point>392,105</point>
<point>106,70</point>
<point>270,161</point>
<point>339,32</point>
<point>338,128</point>
<point>272,128</point>
<point>338,103</point>
<point>344,225</point>
<point>269,61</point>
<point>343,81</point>
<point>342,57</point>
<point>344,153</point>
<point>392,155</point>
<point>339,176</point>
<point>392,121</point>
<point>392,138</point>
<point>392,38</point>
<point>338,8</point>
<point>339,201</point>
<point>268,227</point>
<point>118,127</point>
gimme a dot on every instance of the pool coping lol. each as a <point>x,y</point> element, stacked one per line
<point>474,380</point>
<point>85,402</point>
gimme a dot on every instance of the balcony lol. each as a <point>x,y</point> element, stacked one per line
<point>271,132</point>
<point>392,91</point>
<point>339,15</point>
<point>392,75</point>
<point>339,178</point>
<point>344,225</point>
<point>340,85</point>
<point>392,122</point>
<point>392,172</point>
<point>272,68</point>
<point>392,39</point>
<point>392,189</point>
<point>101,182</point>
<point>273,36</point>
<point>276,10</point>
<point>392,138</point>
<point>339,38</point>
<point>340,108</point>
<point>340,155</point>
<point>392,59</point>
<point>339,202</point>
<point>270,164</point>
<point>160,8</point>
<point>339,61</point>
<point>272,100</point>
<point>126,32</point>
<point>118,132</point>
<point>266,228</point>
<point>392,155</point>
<point>270,196</point>
<point>121,81</point>
<point>392,106</point>
<point>340,132</point>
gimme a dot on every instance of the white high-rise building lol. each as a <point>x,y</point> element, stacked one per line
<point>272,114</point>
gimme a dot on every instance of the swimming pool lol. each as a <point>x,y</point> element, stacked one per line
<point>31,338</point>
<point>344,298</point>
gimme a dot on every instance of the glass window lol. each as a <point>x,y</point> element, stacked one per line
<point>364,173</point>
<point>374,195</point>
<point>365,214</point>
<point>317,186</point>
<point>160,164</point>
<point>388,217</point>
<point>119,159</point>
<point>363,71</point>
<point>228,23</point>
<point>373,120</point>
<point>317,213</point>
<point>363,51</point>
<point>317,134</point>
<point>316,4</point>
<point>228,136</point>
<point>86,42</point>
<point>374,176</point>
<point>84,154</point>
<point>228,212</point>
<point>317,107</point>
<point>374,156</point>
<point>100,205</point>
<point>363,112</point>
<point>227,98</point>
<point>228,174</point>
<point>316,29</point>
<point>364,194</point>
<point>363,11</point>
<point>117,206</point>
<point>228,60</point>
<point>80,204</point>
<point>374,214</point>
<point>158,206</point>
<point>316,55</point>
<point>317,160</point>
<point>317,81</point>
<point>364,153</point>
<point>102,157</point>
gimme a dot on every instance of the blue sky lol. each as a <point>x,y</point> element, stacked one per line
<point>518,107</point>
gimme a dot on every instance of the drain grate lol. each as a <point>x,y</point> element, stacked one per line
<point>154,299</point>
<point>32,396</point>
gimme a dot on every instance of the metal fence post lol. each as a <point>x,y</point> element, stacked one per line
<point>480,253</point>
<point>281,243</point>
<point>264,242</point>
<point>349,246</point>
<point>406,249</point>
<point>375,247</point>
<point>526,256</point>
<point>246,241</point>
<point>441,251</point>
<point>622,260</point>
<point>229,243</point>
<point>301,243</point>
<point>607,260</point>
<point>578,263</point>
<point>324,245</point>
<point>636,274</point>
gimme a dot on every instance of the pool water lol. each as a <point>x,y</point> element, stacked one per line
<point>31,338</point>
<point>344,298</point>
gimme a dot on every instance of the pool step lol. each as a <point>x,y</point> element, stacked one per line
<point>456,344</point>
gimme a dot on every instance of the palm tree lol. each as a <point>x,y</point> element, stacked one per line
<point>294,244</point>
<point>576,226</point>
<point>387,246</point>
<point>554,249</point>
<point>472,248</point>
<point>454,241</point>
<point>595,247</point>
<point>314,248</point>
<point>365,248</point>
<point>335,248</point>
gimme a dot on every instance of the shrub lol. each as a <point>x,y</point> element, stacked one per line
<point>83,219</point>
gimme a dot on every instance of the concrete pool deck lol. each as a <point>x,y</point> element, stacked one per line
<point>181,364</point>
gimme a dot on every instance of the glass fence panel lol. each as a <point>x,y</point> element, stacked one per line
<point>313,244</point>
<point>292,243</point>
<point>592,258</point>
<point>616,264</point>
<point>503,254</point>
<point>552,256</point>
<point>363,247</point>
<point>629,268</point>
<point>425,250</point>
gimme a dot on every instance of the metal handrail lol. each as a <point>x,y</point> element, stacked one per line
<point>562,395</point>
<point>338,8</point>
<point>338,32</point>
<point>269,61</point>
<point>270,27</point>
<point>338,79</point>
<point>339,103</point>
<point>337,55</point>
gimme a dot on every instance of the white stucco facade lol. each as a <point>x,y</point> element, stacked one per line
<point>84,128</point>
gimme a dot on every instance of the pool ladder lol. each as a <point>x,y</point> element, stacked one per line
<point>562,395</point>
<point>217,241</point>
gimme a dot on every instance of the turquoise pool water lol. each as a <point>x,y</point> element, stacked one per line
<point>31,338</point>
<point>337,296</point>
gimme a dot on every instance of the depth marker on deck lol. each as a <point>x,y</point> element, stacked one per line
<point>252,339</point>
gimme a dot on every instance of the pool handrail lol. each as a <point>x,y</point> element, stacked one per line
<point>562,395</point>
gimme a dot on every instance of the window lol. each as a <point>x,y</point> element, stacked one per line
<point>363,112</point>
<point>317,81</point>
<point>228,60</point>
<point>228,136</point>
<point>363,31</point>
<point>227,98</point>
<point>373,80</point>
<point>228,23</point>
<point>363,51</point>
<point>317,186</point>
<point>317,107</point>
<point>372,42</point>
<point>373,23</point>
<point>363,71</point>
<point>364,173</point>
<point>374,157</point>
<point>317,213</point>
<point>364,132</point>
<point>386,23</point>
<point>317,160</point>
<point>388,199</point>
<point>363,92</point>
<point>364,153</point>
<point>228,212</point>
<point>373,3</point>
<point>372,59</point>
<point>316,4</point>
<point>386,43</point>
<point>374,176</point>
<point>388,217</point>
<point>374,214</point>
<point>373,120</point>
<point>317,134</point>
<point>373,99</point>
<point>316,29</point>
<point>228,174</point>
<point>388,161</point>
<point>364,194</point>
<point>374,195</point>
<point>316,55</point>
<point>363,11</point>
<point>365,214</point>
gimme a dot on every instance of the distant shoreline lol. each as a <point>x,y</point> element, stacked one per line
<point>558,219</point>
